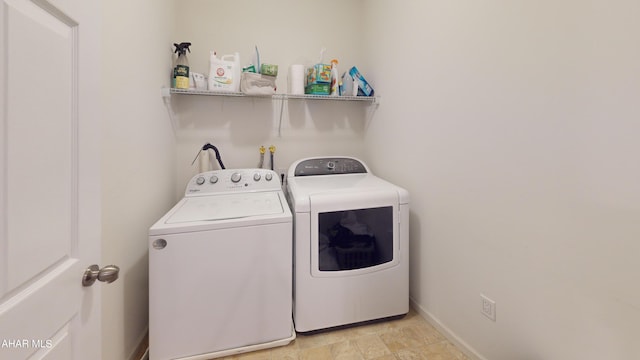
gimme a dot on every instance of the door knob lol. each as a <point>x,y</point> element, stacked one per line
<point>107,274</point>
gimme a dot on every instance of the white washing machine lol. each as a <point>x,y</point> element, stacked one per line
<point>220,264</point>
<point>351,244</point>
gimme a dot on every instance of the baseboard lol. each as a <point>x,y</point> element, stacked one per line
<point>141,351</point>
<point>450,335</point>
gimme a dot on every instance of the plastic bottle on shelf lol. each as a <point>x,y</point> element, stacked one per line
<point>181,69</point>
<point>224,73</point>
<point>335,78</point>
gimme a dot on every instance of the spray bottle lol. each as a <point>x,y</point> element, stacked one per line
<point>181,69</point>
<point>335,78</point>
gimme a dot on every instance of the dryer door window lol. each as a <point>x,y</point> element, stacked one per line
<point>355,239</point>
<point>354,233</point>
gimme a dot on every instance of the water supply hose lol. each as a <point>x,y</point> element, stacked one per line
<point>262,151</point>
<point>272,150</point>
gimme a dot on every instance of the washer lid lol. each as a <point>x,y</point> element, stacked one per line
<point>227,206</point>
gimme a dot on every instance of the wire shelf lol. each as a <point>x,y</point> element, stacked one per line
<point>370,99</point>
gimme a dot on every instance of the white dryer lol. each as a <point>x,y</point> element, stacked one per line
<point>220,264</point>
<point>351,244</point>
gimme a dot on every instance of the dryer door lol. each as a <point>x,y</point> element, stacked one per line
<point>354,233</point>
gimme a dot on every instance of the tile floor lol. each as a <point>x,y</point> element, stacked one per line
<point>408,338</point>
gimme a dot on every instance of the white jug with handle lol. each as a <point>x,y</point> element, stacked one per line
<point>224,73</point>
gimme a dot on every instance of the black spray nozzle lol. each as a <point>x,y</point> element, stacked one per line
<point>181,49</point>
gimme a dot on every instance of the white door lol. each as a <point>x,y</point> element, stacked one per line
<point>49,178</point>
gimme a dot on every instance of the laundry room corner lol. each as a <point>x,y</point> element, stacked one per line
<point>512,125</point>
<point>138,157</point>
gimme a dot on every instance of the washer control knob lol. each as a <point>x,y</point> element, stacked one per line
<point>200,180</point>
<point>331,165</point>
<point>257,177</point>
<point>236,177</point>
<point>213,179</point>
<point>268,176</point>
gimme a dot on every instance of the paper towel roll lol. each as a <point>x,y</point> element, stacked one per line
<point>296,79</point>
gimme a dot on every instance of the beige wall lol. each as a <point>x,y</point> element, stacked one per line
<point>514,126</point>
<point>137,161</point>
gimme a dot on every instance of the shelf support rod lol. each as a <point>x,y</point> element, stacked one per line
<point>166,98</point>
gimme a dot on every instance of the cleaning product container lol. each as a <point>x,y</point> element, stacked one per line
<point>335,78</point>
<point>224,73</point>
<point>181,67</point>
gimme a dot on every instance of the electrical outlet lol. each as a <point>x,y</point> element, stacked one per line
<point>488,307</point>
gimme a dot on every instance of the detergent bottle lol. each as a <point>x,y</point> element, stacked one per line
<point>181,69</point>
<point>224,72</point>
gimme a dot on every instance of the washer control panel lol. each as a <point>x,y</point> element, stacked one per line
<point>233,180</point>
<point>329,166</point>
